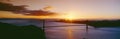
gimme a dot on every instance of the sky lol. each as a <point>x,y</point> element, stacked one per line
<point>82,9</point>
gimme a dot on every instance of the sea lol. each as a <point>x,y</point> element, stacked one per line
<point>61,30</point>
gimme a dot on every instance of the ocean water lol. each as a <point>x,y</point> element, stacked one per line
<point>59,30</point>
<point>79,32</point>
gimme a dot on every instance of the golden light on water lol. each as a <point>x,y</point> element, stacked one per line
<point>70,33</point>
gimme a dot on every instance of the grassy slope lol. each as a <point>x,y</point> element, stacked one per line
<point>9,31</point>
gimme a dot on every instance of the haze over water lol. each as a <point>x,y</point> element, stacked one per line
<point>79,32</point>
<point>56,30</point>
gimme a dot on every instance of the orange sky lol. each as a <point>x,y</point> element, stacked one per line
<point>81,9</point>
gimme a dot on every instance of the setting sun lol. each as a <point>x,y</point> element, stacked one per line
<point>70,16</point>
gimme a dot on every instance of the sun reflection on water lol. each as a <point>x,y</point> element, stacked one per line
<point>70,33</point>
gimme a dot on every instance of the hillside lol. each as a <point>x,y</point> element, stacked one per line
<point>95,23</point>
<point>9,31</point>
<point>104,23</point>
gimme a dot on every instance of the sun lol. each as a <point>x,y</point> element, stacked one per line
<point>70,16</point>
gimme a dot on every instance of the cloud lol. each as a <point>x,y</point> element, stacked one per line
<point>7,14</point>
<point>11,11</point>
<point>48,8</point>
<point>40,13</point>
<point>10,7</point>
<point>22,10</point>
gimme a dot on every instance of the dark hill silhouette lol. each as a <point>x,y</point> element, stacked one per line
<point>9,31</point>
<point>104,23</point>
<point>96,23</point>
